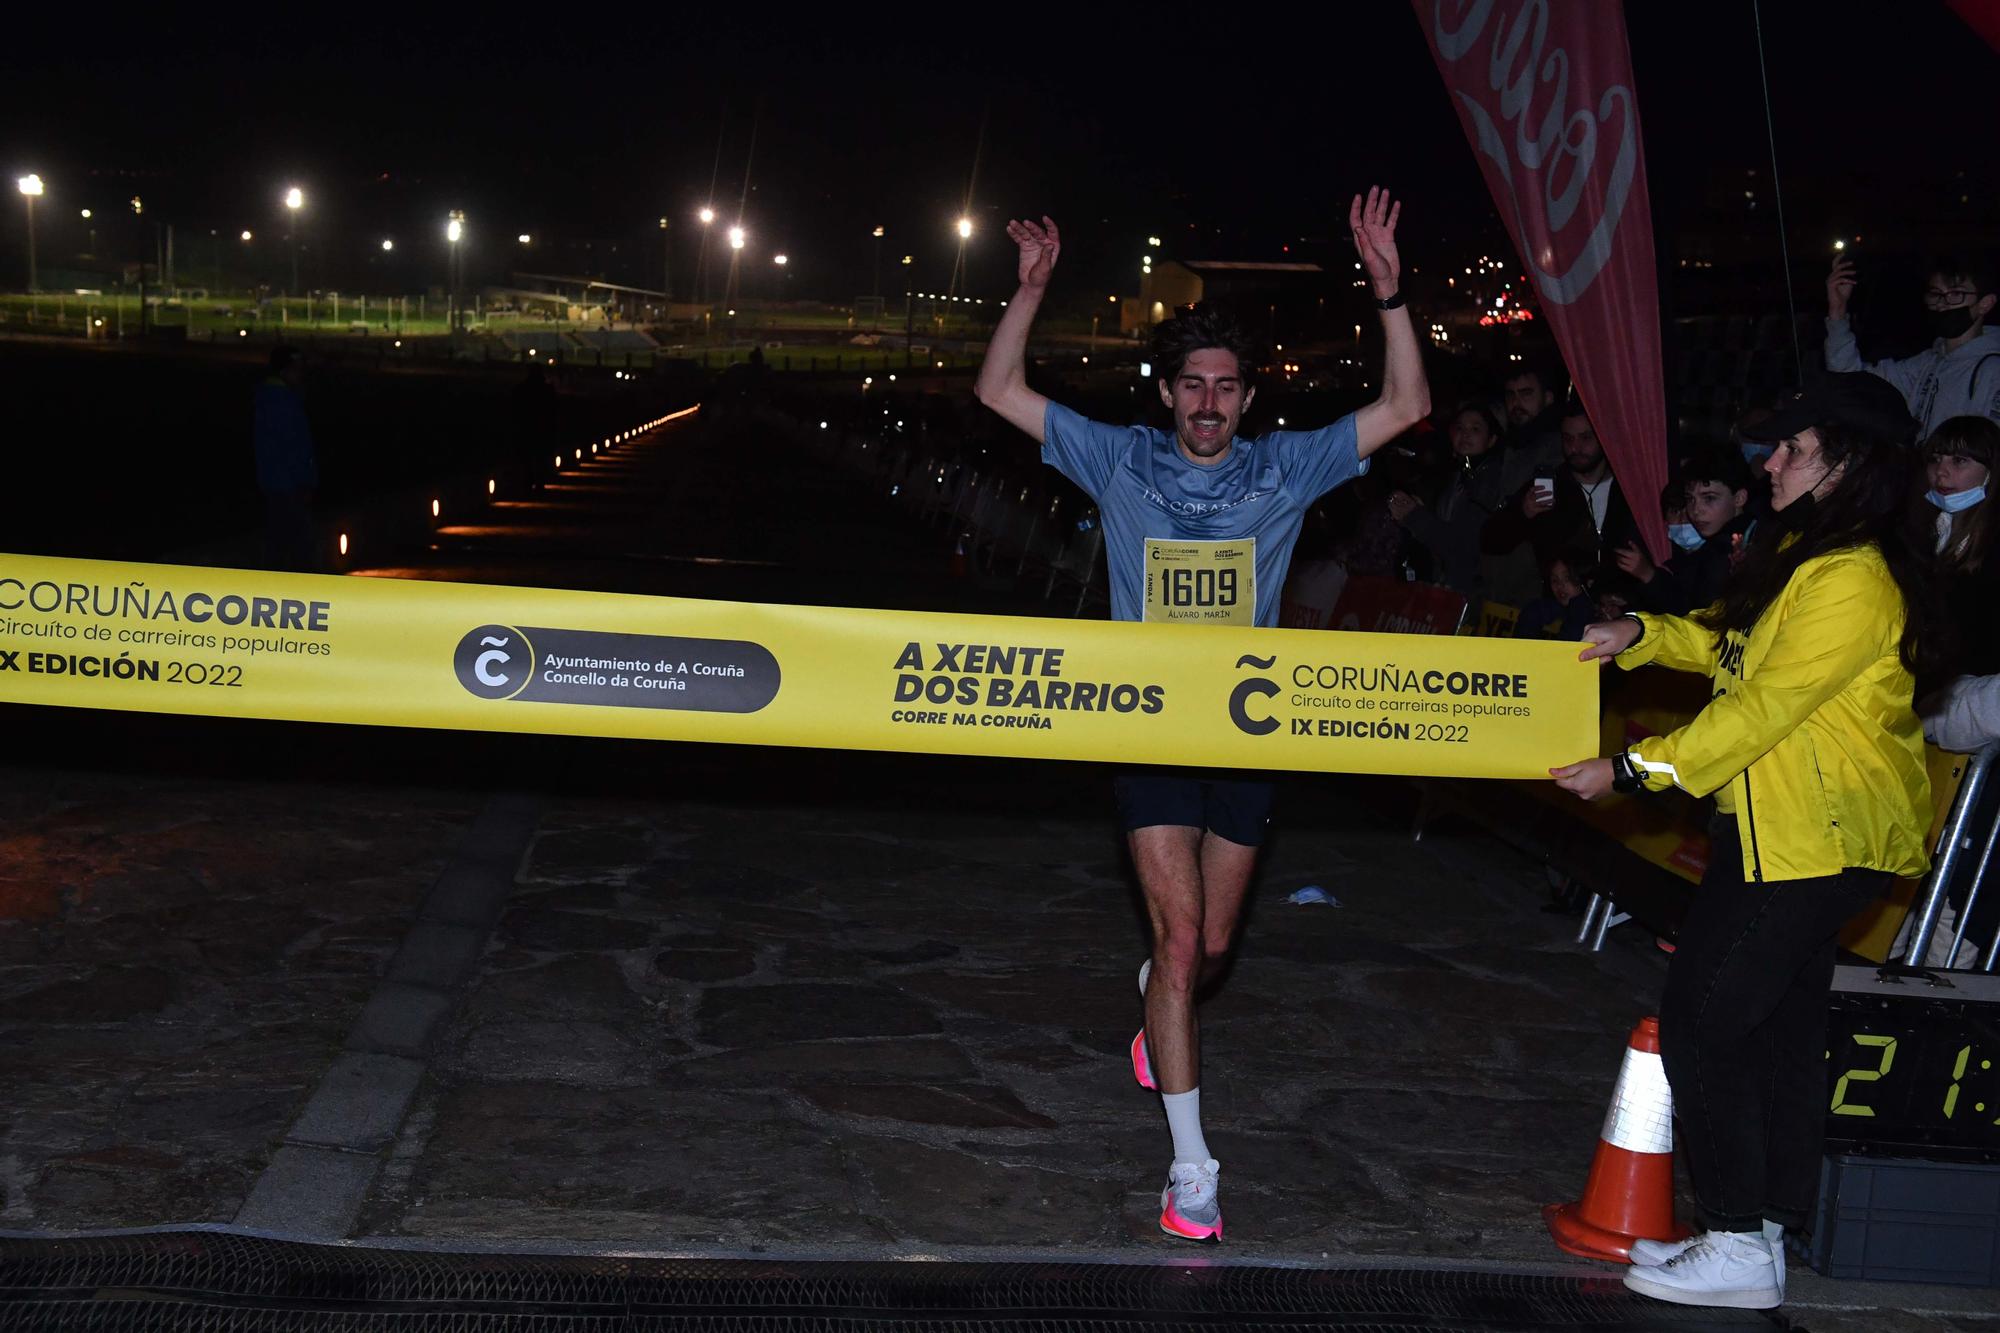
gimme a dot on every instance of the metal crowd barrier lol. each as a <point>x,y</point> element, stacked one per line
<point>1928,906</point>
<point>1004,520</point>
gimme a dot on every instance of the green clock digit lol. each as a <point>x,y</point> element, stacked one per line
<point>1888,1049</point>
<point>1957,1073</point>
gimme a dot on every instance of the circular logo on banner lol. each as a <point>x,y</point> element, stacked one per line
<point>494,661</point>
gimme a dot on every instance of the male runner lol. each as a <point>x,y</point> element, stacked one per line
<point>1204,517</point>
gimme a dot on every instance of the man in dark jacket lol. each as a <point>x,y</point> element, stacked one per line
<point>287,471</point>
<point>1576,508</point>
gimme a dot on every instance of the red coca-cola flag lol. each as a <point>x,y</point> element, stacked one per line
<point>1982,16</point>
<point>1544,90</point>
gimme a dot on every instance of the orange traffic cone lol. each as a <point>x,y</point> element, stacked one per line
<point>1630,1193</point>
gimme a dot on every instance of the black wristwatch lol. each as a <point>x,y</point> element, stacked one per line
<point>1393,301</point>
<point>1633,616</point>
<point>1625,775</point>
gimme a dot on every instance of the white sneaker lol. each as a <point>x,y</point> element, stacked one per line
<point>1655,1253</point>
<point>1721,1268</point>
<point>1188,1206</point>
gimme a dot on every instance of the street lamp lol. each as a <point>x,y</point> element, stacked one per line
<point>245,236</point>
<point>707,216</point>
<point>667,271</point>
<point>738,238</point>
<point>388,244</point>
<point>781,260</point>
<point>454,232</point>
<point>295,199</point>
<point>30,186</point>
<point>958,265</point>
<point>525,239</point>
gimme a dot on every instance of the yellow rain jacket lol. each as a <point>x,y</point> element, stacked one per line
<point>1810,740</point>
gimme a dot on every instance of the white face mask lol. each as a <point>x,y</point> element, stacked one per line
<point>1959,501</point>
<point>1684,535</point>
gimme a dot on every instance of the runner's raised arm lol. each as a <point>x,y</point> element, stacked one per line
<point>1406,394</point>
<point>1003,375</point>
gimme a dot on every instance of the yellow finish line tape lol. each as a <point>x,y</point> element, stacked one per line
<point>380,652</point>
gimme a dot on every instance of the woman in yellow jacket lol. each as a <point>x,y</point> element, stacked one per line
<point>1814,755</point>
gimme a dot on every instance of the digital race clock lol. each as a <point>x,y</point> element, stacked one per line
<point>1914,1063</point>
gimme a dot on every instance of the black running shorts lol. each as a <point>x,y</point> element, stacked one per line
<point>1231,808</point>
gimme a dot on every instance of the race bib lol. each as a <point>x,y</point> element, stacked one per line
<point>1201,583</point>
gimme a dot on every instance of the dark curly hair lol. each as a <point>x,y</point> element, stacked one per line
<point>1196,328</point>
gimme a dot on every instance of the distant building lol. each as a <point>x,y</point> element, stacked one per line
<point>582,300</point>
<point>1252,287</point>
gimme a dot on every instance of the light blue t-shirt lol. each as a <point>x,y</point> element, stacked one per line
<point>1181,539</point>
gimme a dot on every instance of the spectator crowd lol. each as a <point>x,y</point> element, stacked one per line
<point>1511,502</point>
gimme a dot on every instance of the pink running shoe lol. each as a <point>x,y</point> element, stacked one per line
<point>1142,1066</point>
<point>1188,1206</point>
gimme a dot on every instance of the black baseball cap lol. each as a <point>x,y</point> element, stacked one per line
<point>1867,404</point>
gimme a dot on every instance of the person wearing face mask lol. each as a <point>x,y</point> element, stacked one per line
<point>1484,473</point>
<point>1959,373</point>
<point>1958,464</point>
<point>1811,746</point>
<point>1708,533</point>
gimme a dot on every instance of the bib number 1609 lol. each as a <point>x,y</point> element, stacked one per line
<point>1200,587</point>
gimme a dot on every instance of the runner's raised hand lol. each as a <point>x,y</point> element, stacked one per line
<point>1040,244</point>
<point>1373,222</point>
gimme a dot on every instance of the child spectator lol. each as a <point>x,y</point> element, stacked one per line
<point>1567,606</point>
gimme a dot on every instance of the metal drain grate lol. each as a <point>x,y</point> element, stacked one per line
<point>216,1282</point>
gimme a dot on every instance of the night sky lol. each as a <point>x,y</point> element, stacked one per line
<point>1229,130</point>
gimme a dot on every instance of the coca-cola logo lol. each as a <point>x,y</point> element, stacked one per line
<point>1553,159</point>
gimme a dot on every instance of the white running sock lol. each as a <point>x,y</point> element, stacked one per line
<point>1184,1119</point>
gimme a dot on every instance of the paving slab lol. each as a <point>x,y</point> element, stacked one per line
<point>206,946</point>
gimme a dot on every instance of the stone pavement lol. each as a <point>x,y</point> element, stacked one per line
<point>914,1022</point>
<point>867,1004</point>
<point>179,961</point>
